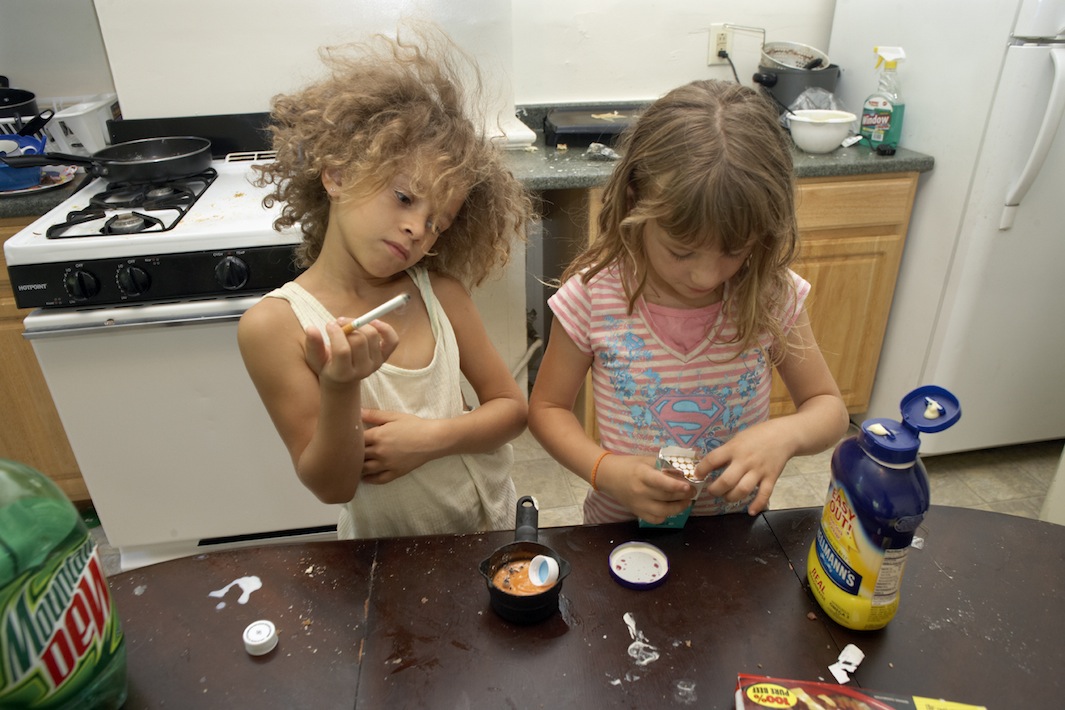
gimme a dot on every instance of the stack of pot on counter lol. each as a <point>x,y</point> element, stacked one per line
<point>788,68</point>
<point>21,133</point>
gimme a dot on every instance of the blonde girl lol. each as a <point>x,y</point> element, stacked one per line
<point>681,307</point>
<point>396,192</point>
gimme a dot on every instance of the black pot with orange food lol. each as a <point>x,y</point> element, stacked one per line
<point>511,593</point>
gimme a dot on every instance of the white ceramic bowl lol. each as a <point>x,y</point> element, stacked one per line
<point>820,130</point>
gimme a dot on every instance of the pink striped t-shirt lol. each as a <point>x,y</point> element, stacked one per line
<point>648,394</point>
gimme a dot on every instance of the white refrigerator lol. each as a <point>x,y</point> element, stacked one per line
<point>980,303</point>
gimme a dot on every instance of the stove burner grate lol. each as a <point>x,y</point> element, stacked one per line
<point>113,206</point>
<point>58,230</point>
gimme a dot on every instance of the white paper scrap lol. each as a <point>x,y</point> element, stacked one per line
<point>848,661</point>
<point>840,673</point>
<point>851,655</point>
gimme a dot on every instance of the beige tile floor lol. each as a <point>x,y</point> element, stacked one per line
<point>1012,480</point>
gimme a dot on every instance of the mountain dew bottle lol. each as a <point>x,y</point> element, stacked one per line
<point>61,645</point>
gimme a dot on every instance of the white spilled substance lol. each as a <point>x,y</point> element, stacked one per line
<point>247,586</point>
<point>640,650</point>
<point>878,429</point>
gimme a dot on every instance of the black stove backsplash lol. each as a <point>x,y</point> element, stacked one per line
<point>228,133</point>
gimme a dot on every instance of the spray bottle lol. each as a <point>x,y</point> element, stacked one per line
<point>883,111</point>
<point>877,496</point>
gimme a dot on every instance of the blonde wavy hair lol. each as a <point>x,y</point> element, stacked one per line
<point>710,163</point>
<point>392,106</point>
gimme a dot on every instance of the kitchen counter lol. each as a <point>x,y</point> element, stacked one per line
<point>543,168</point>
<point>406,622</point>
<point>34,204</point>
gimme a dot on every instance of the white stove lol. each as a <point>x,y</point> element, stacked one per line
<point>204,235</point>
<point>136,336</point>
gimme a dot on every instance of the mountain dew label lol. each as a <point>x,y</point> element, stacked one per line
<point>58,628</point>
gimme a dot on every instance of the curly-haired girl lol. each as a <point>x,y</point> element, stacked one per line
<point>681,307</point>
<point>396,191</point>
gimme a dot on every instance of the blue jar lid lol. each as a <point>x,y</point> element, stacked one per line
<point>889,441</point>
<point>930,409</point>
<point>926,409</point>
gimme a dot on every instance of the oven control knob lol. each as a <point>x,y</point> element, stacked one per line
<point>133,280</point>
<point>82,285</point>
<point>232,273</point>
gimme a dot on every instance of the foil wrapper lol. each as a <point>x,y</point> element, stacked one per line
<point>682,461</point>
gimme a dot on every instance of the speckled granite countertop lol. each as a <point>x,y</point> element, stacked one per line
<point>549,169</point>
<point>542,168</point>
<point>32,204</point>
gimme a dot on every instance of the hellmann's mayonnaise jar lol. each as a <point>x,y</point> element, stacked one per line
<point>877,496</point>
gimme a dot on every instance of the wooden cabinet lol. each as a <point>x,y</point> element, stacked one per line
<point>852,230</point>
<point>30,429</point>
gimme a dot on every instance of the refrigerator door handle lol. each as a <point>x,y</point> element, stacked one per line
<point>1043,141</point>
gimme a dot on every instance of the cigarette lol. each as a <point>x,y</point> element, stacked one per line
<point>384,308</point>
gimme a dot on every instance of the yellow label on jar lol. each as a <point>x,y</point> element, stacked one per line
<point>854,581</point>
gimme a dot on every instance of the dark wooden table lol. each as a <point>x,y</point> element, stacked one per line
<point>406,622</point>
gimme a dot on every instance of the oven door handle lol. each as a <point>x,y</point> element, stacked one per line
<point>47,323</point>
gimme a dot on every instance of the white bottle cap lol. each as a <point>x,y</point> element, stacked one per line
<point>260,637</point>
<point>543,571</point>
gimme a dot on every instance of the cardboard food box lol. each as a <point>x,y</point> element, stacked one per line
<point>754,692</point>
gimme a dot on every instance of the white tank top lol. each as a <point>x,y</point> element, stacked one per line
<point>453,494</point>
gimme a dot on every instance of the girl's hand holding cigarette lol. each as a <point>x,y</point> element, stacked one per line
<point>351,354</point>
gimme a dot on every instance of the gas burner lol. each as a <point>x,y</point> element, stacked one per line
<point>160,205</point>
<point>130,223</point>
<point>160,193</point>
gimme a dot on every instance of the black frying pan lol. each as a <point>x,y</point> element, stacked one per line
<point>147,160</point>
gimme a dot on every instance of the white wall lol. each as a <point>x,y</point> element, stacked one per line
<point>574,51</point>
<point>564,51</point>
<point>246,52</point>
<point>53,48</point>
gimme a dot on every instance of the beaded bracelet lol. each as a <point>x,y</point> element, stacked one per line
<point>595,468</point>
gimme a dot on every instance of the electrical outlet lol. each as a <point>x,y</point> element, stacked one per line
<point>720,41</point>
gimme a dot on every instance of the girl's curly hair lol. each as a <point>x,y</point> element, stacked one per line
<point>711,165</point>
<point>388,107</point>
